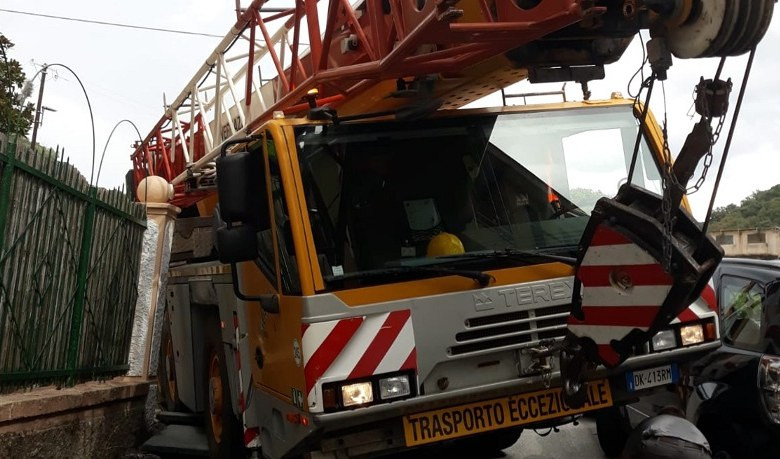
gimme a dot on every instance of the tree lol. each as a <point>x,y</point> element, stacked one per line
<point>760,209</point>
<point>585,198</point>
<point>16,115</point>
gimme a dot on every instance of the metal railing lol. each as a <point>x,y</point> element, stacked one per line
<point>69,260</point>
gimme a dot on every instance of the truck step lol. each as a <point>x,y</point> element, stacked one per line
<point>178,440</point>
<point>175,417</point>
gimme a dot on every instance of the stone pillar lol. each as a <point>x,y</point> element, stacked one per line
<point>152,278</point>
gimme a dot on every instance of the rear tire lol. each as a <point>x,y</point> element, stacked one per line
<point>223,428</point>
<point>613,429</point>
<point>166,369</point>
<point>726,440</point>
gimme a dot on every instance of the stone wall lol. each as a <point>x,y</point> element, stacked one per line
<point>91,420</point>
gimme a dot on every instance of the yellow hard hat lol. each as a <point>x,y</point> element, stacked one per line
<point>444,244</point>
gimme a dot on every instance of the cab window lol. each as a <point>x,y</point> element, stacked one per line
<point>265,253</point>
<point>288,266</point>
<point>266,257</point>
<point>741,303</point>
<point>386,197</point>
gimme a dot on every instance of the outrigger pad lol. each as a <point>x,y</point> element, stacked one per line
<point>626,296</point>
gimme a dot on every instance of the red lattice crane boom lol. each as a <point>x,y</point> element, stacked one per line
<point>354,63</point>
<point>378,55</point>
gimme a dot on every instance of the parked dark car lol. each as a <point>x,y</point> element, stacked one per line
<point>735,400</point>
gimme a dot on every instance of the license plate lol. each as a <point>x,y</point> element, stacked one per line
<point>652,377</point>
<point>515,410</point>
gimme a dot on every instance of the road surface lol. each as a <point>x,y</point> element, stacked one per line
<point>570,442</point>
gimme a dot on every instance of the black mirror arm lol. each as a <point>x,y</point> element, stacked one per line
<point>230,143</point>
<point>269,303</point>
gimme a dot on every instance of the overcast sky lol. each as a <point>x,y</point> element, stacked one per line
<point>127,71</point>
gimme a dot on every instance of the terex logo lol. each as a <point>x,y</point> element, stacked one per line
<point>537,294</point>
<point>482,301</point>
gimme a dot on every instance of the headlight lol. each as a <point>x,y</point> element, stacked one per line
<point>664,339</point>
<point>394,387</point>
<point>769,386</point>
<point>692,334</point>
<point>357,394</point>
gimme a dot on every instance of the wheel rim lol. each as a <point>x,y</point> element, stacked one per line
<point>170,369</point>
<point>215,398</point>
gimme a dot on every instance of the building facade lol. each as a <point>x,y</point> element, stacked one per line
<point>763,243</point>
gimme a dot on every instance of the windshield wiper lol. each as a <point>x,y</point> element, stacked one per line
<point>482,278</point>
<point>511,253</point>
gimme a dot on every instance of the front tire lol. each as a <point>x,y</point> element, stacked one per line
<point>223,428</point>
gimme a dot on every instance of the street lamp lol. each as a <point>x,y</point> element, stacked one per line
<point>40,108</point>
<point>102,156</point>
<point>46,109</point>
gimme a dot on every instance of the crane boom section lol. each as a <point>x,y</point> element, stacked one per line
<point>268,62</point>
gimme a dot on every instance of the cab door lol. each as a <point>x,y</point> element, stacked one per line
<point>274,329</point>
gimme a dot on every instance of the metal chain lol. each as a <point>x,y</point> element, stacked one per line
<point>709,156</point>
<point>668,179</point>
<point>669,182</point>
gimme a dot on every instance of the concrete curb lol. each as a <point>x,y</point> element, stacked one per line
<point>50,400</point>
<point>91,420</point>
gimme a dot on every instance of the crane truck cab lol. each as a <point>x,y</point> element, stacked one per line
<point>385,284</point>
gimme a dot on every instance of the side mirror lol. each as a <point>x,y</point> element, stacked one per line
<point>241,213</point>
<point>236,244</point>
<point>241,185</point>
<point>233,243</point>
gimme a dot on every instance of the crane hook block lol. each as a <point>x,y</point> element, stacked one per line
<point>623,295</point>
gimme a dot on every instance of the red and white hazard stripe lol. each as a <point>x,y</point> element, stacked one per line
<point>704,307</point>
<point>357,347</point>
<point>251,435</point>
<point>610,312</point>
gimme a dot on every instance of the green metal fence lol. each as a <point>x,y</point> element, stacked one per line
<point>69,255</point>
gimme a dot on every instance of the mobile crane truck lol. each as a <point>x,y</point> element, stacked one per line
<point>368,270</point>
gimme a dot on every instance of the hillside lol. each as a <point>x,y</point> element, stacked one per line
<point>761,209</point>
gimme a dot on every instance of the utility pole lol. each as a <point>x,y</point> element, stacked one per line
<point>39,107</point>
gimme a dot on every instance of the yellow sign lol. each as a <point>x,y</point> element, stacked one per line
<point>515,410</point>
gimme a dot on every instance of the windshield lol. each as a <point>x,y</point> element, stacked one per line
<point>390,194</point>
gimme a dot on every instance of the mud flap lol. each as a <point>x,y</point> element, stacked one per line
<point>624,295</point>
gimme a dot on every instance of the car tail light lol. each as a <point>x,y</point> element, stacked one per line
<point>769,386</point>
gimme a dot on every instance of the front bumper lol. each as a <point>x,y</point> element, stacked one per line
<point>344,420</point>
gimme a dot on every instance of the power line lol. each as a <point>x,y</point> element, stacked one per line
<point>113,24</point>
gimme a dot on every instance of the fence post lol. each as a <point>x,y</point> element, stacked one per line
<point>81,285</point>
<point>152,278</point>
<point>5,190</point>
